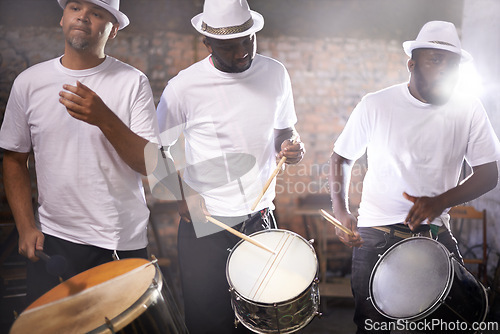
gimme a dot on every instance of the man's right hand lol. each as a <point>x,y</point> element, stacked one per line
<point>30,239</point>
<point>350,222</point>
<point>192,208</point>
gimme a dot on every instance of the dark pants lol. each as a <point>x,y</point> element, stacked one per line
<point>79,258</point>
<point>364,259</point>
<point>207,301</point>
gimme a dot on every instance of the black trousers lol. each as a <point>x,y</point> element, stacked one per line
<point>207,300</point>
<point>79,258</point>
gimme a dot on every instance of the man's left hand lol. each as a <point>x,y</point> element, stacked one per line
<point>424,208</point>
<point>84,104</point>
<point>293,151</point>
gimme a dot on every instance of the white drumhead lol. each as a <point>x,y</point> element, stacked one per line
<point>262,277</point>
<point>410,277</point>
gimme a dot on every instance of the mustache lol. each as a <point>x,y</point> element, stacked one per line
<point>80,27</point>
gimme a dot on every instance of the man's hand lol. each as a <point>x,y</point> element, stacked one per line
<point>293,151</point>
<point>84,104</point>
<point>350,222</point>
<point>192,208</point>
<point>30,239</point>
<point>424,208</point>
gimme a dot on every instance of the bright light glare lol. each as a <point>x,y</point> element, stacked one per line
<point>470,81</point>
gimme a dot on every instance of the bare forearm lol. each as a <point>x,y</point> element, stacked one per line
<point>340,176</point>
<point>483,179</point>
<point>130,147</point>
<point>18,189</point>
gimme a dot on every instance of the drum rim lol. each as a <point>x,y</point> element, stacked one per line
<point>143,264</point>
<point>232,287</point>
<point>437,302</point>
<point>121,320</point>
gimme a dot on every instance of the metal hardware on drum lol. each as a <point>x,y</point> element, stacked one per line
<point>442,287</point>
<point>110,325</point>
<point>268,293</point>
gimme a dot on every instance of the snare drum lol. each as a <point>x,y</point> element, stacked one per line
<point>418,278</point>
<point>125,296</point>
<point>274,293</point>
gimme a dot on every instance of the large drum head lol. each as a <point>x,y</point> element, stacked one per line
<point>262,277</point>
<point>82,303</point>
<point>410,279</point>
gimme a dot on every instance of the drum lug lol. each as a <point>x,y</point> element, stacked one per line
<point>311,241</point>
<point>155,283</point>
<point>109,325</point>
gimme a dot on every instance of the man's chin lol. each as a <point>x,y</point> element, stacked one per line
<point>439,100</point>
<point>242,67</point>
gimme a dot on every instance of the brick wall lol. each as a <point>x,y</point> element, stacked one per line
<point>329,76</point>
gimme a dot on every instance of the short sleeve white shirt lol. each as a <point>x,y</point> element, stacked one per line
<point>228,113</point>
<point>86,192</point>
<point>413,147</point>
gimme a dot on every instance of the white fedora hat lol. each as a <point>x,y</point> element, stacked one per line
<point>438,35</point>
<point>226,19</point>
<point>112,6</point>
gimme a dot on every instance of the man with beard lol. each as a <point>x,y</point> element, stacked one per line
<point>235,109</point>
<point>88,118</point>
<point>417,136</point>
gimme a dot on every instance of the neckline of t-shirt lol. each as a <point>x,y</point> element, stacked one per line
<point>83,73</point>
<point>226,75</point>
<point>413,99</point>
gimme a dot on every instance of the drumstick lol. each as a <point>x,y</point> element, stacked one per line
<point>238,234</point>
<point>335,222</point>
<point>268,183</point>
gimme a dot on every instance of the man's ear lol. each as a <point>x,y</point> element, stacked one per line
<point>410,65</point>
<point>114,31</point>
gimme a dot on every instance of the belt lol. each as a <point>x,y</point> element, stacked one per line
<point>403,231</point>
<point>248,219</point>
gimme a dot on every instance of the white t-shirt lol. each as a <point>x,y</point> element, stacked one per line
<point>230,115</point>
<point>87,194</point>
<point>413,147</point>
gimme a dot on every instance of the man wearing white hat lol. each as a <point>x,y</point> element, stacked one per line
<point>416,136</point>
<point>234,102</point>
<point>87,117</point>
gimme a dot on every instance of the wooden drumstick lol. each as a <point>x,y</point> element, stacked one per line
<point>238,234</point>
<point>335,222</point>
<point>268,183</point>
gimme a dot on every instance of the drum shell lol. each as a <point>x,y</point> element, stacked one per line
<point>466,301</point>
<point>462,298</point>
<point>283,317</point>
<point>125,296</point>
<point>277,316</point>
<point>160,314</point>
